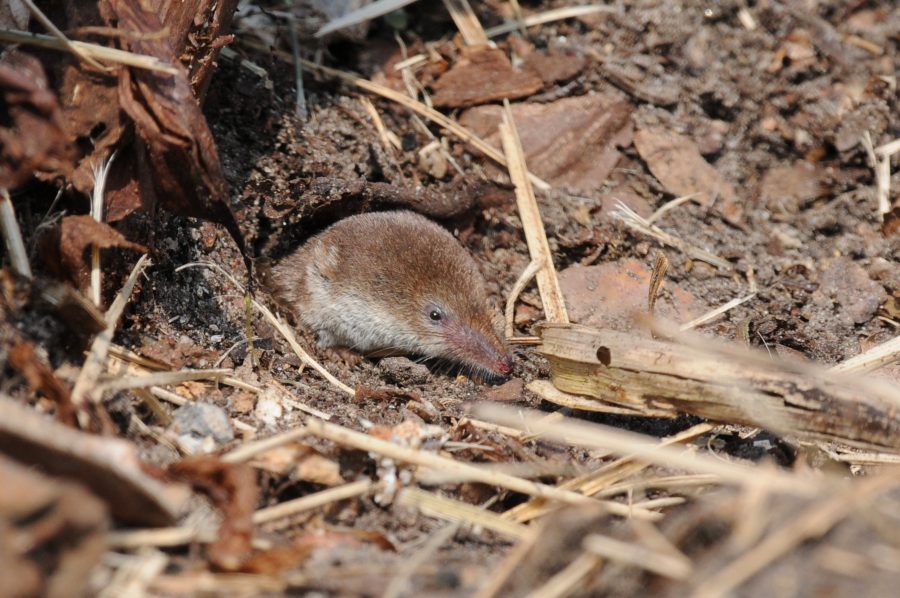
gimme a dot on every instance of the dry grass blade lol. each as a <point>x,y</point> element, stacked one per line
<point>364,442</point>
<point>669,205</point>
<point>815,522</point>
<point>633,220</point>
<point>509,565</point>
<point>538,247</point>
<point>557,14</point>
<point>312,501</point>
<point>881,165</point>
<point>454,510</point>
<point>398,585</point>
<point>466,21</point>
<point>149,63</point>
<point>86,385</point>
<point>640,556</point>
<point>603,477</point>
<point>368,12</point>
<point>162,379</point>
<point>647,449</point>
<point>569,579</point>
<point>533,267</point>
<point>60,36</point>
<point>281,327</point>
<point>715,313</point>
<point>879,355</point>
<point>9,227</point>
<point>248,450</point>
<point>418,107</point>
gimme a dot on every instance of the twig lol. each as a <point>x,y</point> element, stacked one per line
<point>162,379</point>
<point>640,447</point>
<point>812,523</point>
<point>141,61</point>
<point>15,247</point>
<point>565,582</point>
<point>509,313</point>
<point>280,326</point>
<point>669,205</point>
<point>398,584</point>
<point>549,16</point>
<point>637,555</point>
<point>466,22</point>
<point>312,501</point>
<point>454,510</point>
<point>364,442</point>
<point>633,220</point>
<point>533,226</point>
<point>715,313</point>
<point>873,358</point>
<point>59,35</point>
<point>361,15</point>
<point>86,385</point>
<point>248,450</point>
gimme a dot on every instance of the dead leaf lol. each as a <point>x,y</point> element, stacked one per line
<point>184,166</point>
<point>64,250</point>
<point>108,466</point>
<point>482,75</point>
<point>509,391</point>
<point>553,66</point>
<point>787,189</point>
<point>233,490</point>
<point>40,378</point>
<point>52,534</point>
<point>569,143</point>
<point>676,163</point>
<point>608,295</point>
<point>32,134</point>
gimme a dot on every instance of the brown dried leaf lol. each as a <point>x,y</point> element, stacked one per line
<point>676,163</point>
<point>482,75</point>
<point>569,143</point>
<point>40,378</point>
<point>52,534</point>
<point>554,66</point>
<point>608,295</point>
<point>233,490</point>
<point>32,135</point>
<point>181,158</point>
<point>64,250</point>
<point>108,466</point>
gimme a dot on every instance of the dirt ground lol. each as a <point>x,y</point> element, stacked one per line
<point>778,109</point>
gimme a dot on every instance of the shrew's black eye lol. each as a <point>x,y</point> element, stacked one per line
<point>435,315</point>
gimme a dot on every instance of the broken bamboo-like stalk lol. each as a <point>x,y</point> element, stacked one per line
<point>536,238</point>
<point>716,382</point>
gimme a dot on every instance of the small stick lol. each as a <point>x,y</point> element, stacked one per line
<point>639,556</point>
<point>365,442</point>
<point>86,384</point>
<point>657,277</point>
<point>549,16</point>
<point>162,379</point>
<point>565,582</point>
<point>59,35</point>
<point>873,358</point>
<point>141,61</point>
<point>633,220</point>
<point>15,247</point>
<point>538,247</point>
<point>642,448</point>
<point>454,510</point>
<point>312,501</point>
<point>669,205</point>
<point>248,450</point>
<point>398,585</point>
<point>466,21</point>
<point>715,313</point>
<point>527,274</point>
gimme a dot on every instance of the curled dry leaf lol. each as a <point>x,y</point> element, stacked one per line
<point>63,250</point>
<point>233,490</point>
<point>676,162</point>
<point>185,173</point>
<point>32,133</point>
<point>40,378</point>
